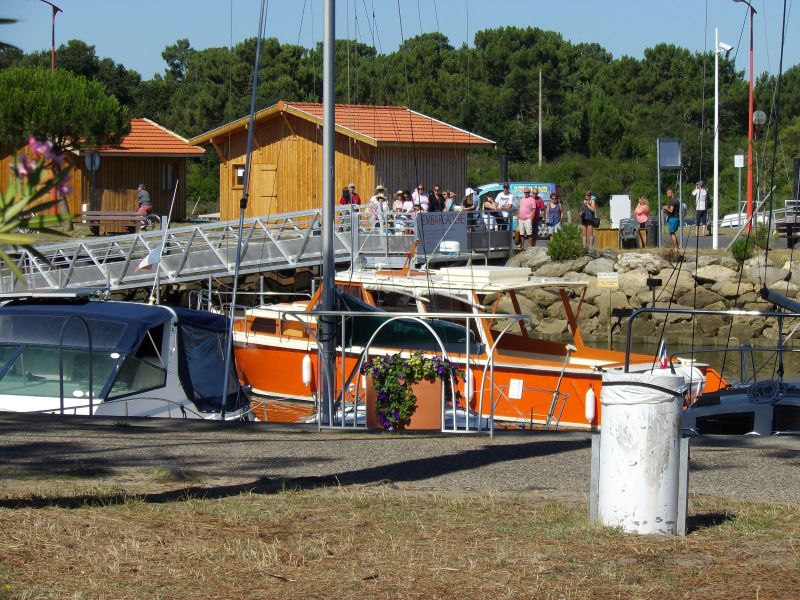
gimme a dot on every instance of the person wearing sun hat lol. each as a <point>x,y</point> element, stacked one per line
<point>378,206</point>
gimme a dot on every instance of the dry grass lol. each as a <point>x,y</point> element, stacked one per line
<point>378,542</point>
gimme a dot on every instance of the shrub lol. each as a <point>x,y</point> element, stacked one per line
<point>760,235</point>
<point>742,249</point>
<point>566,243</point>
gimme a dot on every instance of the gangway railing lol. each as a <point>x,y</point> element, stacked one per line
<point>190,253</point>
<point>201,251</point>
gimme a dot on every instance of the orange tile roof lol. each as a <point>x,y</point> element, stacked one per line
<point>151,139</point>
<point>394,124</point>
<point>376,125</point>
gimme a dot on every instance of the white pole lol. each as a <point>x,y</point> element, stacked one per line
<point>715,217</point>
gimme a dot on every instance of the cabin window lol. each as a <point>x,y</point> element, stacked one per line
<point>262,325</point>
<point>143,370</point>
<point>167,177</point>
<point>238,176</point>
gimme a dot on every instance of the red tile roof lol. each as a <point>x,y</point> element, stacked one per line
<point>397,124</point>
<point>376,125</point>
<point>151,139</point>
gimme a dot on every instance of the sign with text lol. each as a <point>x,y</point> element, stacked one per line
<point>435,227</point>
<point>608,280</point>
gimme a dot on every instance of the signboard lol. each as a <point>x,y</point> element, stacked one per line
<point>435,227</point>
<point>92,161</point>
<point>608,280</point>
<point>620,209</point>
<point>738,160</point>
<point>669,153</point>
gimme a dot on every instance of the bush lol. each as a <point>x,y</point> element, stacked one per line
<point>742,249</point>
<point>566,244</point>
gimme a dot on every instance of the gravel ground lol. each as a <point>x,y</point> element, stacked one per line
<point>217,459</point>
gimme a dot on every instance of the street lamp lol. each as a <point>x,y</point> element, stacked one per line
<point>726,48</point>
<point>56,10</point>
<point>750,125</point>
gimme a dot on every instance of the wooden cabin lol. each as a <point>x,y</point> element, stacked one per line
<point>149,154</point>
<point>390,145</point>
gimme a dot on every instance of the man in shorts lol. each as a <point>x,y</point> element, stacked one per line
<point>526,209</point>
<point>673,208</point>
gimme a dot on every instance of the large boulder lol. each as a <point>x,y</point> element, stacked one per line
<point>768,275</point>
<point>526,306</point>
<point>713,274</point>
<point>633,282</point>
<point>760,260</point>
<point>560,268</point>
<point>675,281</point>
<point>533,258</point>
<point>538,296</point>
<point>748,328</point>
<point>599,265</point>
<point>672,318</point>
<point>556,310</point>
<point>732,288</point>
<point>699,297</point>
<point>618,300</point>
<point>729,262</point>
<point>710,324</point>
<point>647,261</point>
<point>549,326</point>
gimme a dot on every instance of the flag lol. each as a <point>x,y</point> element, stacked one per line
<point>663,361</point>
<point>149,260</point>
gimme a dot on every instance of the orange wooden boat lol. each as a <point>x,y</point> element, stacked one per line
<point>516,378</point>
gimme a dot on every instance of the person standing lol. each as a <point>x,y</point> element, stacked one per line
<point>527,207</point>
<point>436,200</point>
<point>538,213</point>
<point>553,218</point>
<point>700,194</point>
<point>672,209</point>
<point>642,212</point>
<point>504,203</point>
<point>354,197</point>
<point>588,211</point>
<point>421,198</point>
<point>346,197</point>
<point>378,206</point>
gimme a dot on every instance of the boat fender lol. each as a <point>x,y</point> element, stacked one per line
<point>589,409</point>
<point>307,370</point>
<point>469,386</point>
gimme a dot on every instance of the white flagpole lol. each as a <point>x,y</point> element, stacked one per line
<point>164,229</point>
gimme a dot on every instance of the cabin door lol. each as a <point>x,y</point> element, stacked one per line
<point>265,190</point>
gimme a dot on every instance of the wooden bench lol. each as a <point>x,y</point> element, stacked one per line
<point>113,220</point>
<point>790,230</point>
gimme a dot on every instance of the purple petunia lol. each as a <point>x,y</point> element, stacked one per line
<point>383,396</point>
<point>41,148</point>
<point>64,187</point>
<point>395,415</point>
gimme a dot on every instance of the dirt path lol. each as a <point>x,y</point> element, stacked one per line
<point>218,460</point>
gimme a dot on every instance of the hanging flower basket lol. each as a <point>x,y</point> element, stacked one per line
<point>400,387</point>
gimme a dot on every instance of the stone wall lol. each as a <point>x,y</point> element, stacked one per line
<point>712,282</point>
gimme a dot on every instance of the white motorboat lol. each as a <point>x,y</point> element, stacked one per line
<point>81,356</point>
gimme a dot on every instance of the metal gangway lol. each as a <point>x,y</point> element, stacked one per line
<point>196,252</point>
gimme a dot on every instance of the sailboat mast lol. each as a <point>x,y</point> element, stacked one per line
<point>327,327</point>
<point>242,209</point>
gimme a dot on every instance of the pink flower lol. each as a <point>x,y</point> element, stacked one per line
<point>40,148</point>
<point>63,187</point>
<point>23,166</point>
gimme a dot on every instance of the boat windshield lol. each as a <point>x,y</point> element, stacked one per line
<point>35,371</point>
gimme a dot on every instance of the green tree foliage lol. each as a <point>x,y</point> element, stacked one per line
<point>68,110</point>
<point>600,115</point>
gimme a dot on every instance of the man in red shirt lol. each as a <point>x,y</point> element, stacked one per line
<point>353,198</point>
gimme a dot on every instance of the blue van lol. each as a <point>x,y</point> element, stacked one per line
<point>517,189</point>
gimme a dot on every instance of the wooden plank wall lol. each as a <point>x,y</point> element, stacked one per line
<point>117,180</point>
<point>287,167</point>
<point>118,177</point>
<point>403,167</point>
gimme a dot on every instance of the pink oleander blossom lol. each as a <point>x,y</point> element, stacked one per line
<point>64,186</point>
<point>41,148</point>
<point>23,166</point>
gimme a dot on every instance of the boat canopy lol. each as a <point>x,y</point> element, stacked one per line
<point>201,361</point>
<point>413,335</point>
<point>114,326</point>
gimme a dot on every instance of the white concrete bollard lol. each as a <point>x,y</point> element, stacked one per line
<point>639,451</point>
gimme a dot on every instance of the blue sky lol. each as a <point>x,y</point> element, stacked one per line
<point>135,33</point>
